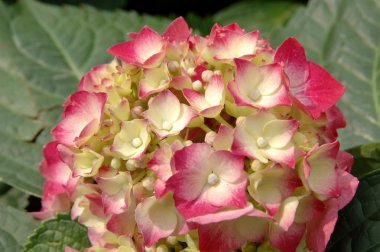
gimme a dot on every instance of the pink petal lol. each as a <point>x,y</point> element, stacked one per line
<point>81,118</point>
<point>177,31</point>
<point>189,162</point>
<point>320,230</point>
<point>272,185</point>
<point>155,219</point>
<point>320,92</point>
<point>147,49</point>
<point>231,229</point>
<point>319,170</point>
<point>286,241</point>
<point>54,169</point>
<point>292,55</point>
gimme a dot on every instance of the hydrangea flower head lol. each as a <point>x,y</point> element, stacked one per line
<point>190,143</point>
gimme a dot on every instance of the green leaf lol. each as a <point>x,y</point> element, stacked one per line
<point>344,37</point>
<point>358,226</point>
<point>14,198</point>
<point>366,159</point>
<point>44,51</point>
<point>56,234</point>
<point>267,16</point>
<point>15,226</point>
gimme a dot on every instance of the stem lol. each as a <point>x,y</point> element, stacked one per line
<point>205,128</point>
<point>222,121</point>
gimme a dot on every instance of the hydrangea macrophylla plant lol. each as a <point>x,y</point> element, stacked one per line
<point>187,143</point>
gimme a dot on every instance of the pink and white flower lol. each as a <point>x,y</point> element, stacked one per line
<point>132,140</point>
<point>229,42</point>
<point>166,115</point>
<point>272,185</point>
<point>161,165</point>
<point>211,102</point>
<point>262,136</point>
<point>154,153</point>
<point>158,218</point>
<point>81,118</point>
<point>318,170</point>
<point>155,80</point>
<point>259,87</point>
<point>217,179</point>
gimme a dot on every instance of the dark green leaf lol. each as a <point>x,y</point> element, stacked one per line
<point>44,51</point>
<point>367,159</point>
<point>15,226</point>
<point>344,37</point>
<point>358,226</point>
<point>56,234</point>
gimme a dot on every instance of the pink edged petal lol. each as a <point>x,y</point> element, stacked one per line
<point>320,92</point>
<point>156,219</point>
<point>347,185</point>
<point>227,43</point>
<point>286,214</point>
<point>147,49</point>
<point>211,112</point>
<point>318,170</point>
<point>154,81</point>
<point>223,215</point>
<point>54,200</point>
<point>285,155</point>
<point>286,241</point>
<point>227,230</point>
<point>52,168</point>
<point>225,194</point>
<point>223,139</point>
<point>344,161</point>
<point>190,161</point>
<point>280,132</point>
<point>160,164</point>
<point>214,93</point>
<point>195,207</point>
<point>81,118</point>
<point>164,123</point>
<point>177,31</point>
<point>271,186</point>
<point>244,145</point>
<point>200,168</point>
<point>122,224</point>
<point>335,121</point>
<point>259,87</point>
<point>319,230</point>
<point>292,55</point>
<point>227,166</point>
<point>186,114</point>
<point>309,208</point>
<point>195,99</point>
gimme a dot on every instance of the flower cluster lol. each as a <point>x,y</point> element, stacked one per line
<point>187,143</point>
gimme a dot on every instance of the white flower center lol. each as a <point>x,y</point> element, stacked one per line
<point>197,85</point>
<point>167,126</point>
<point>255,95</point>
<point>212,179</point>
<point>262,142</point>
<point>136,142</point>
<point>116,163</point>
